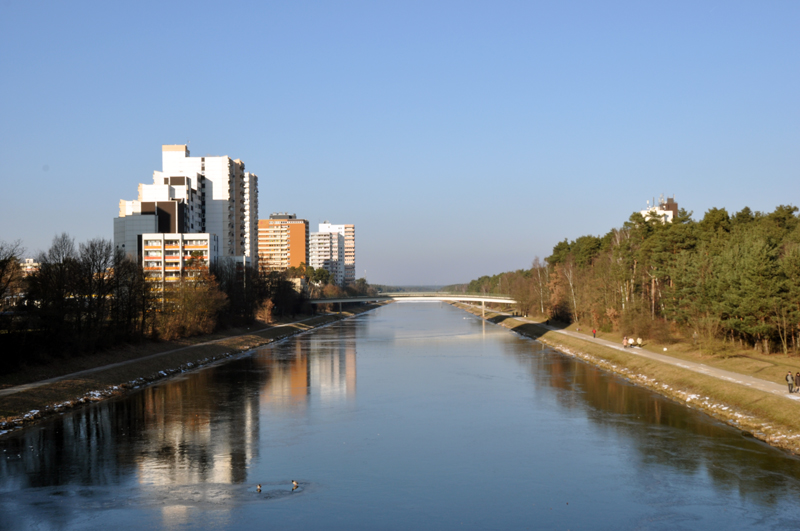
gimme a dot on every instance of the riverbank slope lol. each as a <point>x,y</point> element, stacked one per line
<point>28,402</point>
<point>771,417</point>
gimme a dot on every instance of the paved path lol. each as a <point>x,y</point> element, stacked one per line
<point>778,389</point>
<point>33,385</point>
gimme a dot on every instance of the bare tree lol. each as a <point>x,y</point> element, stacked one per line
<point>569,270</point>
<point>50,291</point>
<point>93,288</point>
<point>541,282</point>
<point>10,273</point>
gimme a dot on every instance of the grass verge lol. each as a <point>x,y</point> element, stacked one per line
<point>718,354</point>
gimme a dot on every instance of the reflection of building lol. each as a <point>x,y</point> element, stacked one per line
<point>332,371</point>
<point>321,366</point>
<point>666,210</point>
<point>287,385</point>
<point>192,438</point>
<point>282,242</point>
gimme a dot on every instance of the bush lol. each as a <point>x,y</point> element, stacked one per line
<point>661,331</point>
<point>191,308</point>
<point>635,324</point>
<point>264,311</point>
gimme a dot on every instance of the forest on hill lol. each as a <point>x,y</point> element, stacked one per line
<point>723,280</point>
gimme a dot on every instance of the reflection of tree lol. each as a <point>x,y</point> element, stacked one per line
<point>690,441</point>
<point>202,429</point>
<point>86,448</point>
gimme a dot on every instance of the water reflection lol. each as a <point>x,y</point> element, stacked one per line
<point>441,395</point>
<point>201,429</point>
<point>321,364</point>
<point>676,437</point>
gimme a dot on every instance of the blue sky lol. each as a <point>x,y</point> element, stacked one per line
<point>461,138</point>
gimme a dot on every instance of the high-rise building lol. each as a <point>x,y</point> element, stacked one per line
<point>326,251</point>
<point>349,234</point>
<point>282,242</point>
<point>212,195</point>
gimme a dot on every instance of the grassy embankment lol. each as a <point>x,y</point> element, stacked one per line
<point>773,419</point>
<point>142,364</point>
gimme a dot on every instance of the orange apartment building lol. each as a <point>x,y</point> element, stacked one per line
<point>282,242</point>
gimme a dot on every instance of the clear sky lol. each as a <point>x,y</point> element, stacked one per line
<point>461,138</point>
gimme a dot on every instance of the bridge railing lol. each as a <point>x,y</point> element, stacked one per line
<point>441,295</point>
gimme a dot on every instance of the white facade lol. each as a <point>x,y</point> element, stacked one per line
<point>250,217</point>
<point>348,233</point>
<point>319,249</point>
<point>216,195</point>
<point>183,193</point>
<point>665,211</point>
<point>28,266</point>
<point>654,212</point>
<point>326,251</point>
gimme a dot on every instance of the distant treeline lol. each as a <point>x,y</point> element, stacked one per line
<point>385,288</point>
<point>724,280</point>
<point>88,297</point>
<point>457,288</point>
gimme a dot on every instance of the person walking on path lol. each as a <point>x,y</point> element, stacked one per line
<point>625,342</point>
<point>630,342</point>
<point>797,382</point>
<point>790,381</point>
<point>594,333</point>
<point>639,342</point>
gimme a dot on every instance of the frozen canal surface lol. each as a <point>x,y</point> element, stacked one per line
<point>413,416</point>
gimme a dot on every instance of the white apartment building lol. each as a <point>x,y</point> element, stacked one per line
<point>348,232</point>
<point>28,266</point>
<point>326,251</point>
<point>665,211</point>
<point>196,195</point>
<point>170,257</point>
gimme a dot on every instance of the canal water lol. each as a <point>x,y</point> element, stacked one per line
<point>412,416</point>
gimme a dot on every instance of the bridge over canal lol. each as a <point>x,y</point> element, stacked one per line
<point>422,296</point>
